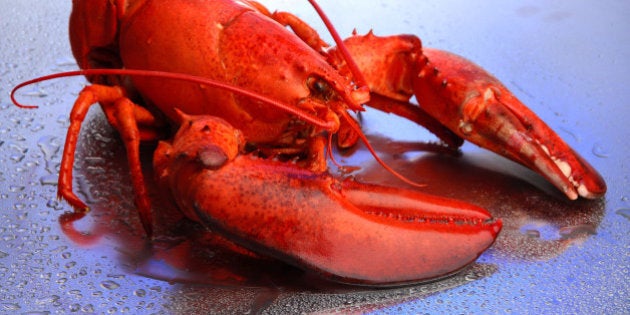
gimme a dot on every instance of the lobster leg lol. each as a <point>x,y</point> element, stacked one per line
<point>125,117</point>
<point>473,105</point>
<point>300,28</point>
<point>347,231</point>
<point>419,116</point>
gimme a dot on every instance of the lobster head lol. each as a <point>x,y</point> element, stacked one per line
<point>117,34</point>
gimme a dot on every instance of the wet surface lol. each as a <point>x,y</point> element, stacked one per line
<point>567,62</point>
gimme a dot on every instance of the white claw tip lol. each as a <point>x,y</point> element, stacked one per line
<point>584,192</point>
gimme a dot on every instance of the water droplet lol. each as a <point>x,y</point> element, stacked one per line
<point>18,137</point>
<point>110,285</point>
<point>74,308</point>
<point>3,254</point>
<point>35,92</point>
<point>50,179</point>
<point>16,188</point>
<point>17,157</point>
<point>55,204</point>
<point>156,288</point>
<point>22,216</point>
<point>472,276</point>
<point>624,212</point>
<point>63,120</point>
<point>10,306</point>
<point>532,233</point>
<point>49,146</point>
<point>59,249</point>
<point>571,134</point>
<point>47,300</point>
<point>38,127</point>
<point>600,151</point>
<point>140,293</point>
<point>65,62</point>
<point>541,230</point>
<point>569,232</point>
<point>76,293</point>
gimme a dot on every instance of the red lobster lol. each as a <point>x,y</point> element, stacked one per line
<point>280,93</point>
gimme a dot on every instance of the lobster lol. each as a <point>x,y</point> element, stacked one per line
<point>257,106</point>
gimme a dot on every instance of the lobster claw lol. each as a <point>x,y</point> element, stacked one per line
<point>346,231</point>
<point>471,103</point>
<point>477,107</point>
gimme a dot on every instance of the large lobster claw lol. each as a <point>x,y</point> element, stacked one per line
<point>346,231</point>
<point>470,102</point>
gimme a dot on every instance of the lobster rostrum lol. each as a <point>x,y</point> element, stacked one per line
<point>244,89</point>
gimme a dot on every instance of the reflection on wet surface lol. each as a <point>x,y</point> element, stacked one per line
<point>539,224</point>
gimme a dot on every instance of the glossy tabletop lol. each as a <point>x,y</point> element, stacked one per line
<point>568,60</point>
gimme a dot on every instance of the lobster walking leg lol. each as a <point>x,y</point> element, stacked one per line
<point>125,117</point>
<point>347,231</point>
<point>301,29</point>
<point>417,115</point>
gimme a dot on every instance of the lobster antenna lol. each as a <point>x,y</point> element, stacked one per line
<point>356,73</point>
<point>362,84</point>
<point>175,76</point>
<point>357,129</point>
<point>205,81</point>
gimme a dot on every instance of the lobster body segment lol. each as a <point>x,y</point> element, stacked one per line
<point>347,231</point>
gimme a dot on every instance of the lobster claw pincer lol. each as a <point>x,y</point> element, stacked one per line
<point>346,231</point>
<point>477,107</point>
<point>471,103</point>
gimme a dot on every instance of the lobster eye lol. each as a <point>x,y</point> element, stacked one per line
<point>212,157</point>
<point>320,88</point>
